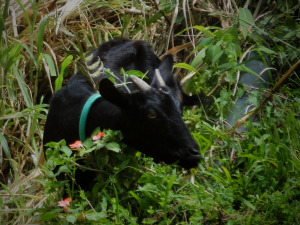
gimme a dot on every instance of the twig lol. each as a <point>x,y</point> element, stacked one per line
<point>238,72</point>
<point>247,4</point>
<point>257,9</point>
<point>134,10</point>
<point>25,195</point>
<point>173,22</point>
<point>145,168</point>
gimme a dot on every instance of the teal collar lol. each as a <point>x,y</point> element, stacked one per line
<point>84,113</point>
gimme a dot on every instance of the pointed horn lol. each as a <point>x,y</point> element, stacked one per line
<point>142,85</point>
<point>160,81</point>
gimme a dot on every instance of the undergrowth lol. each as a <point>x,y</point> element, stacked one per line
<point>247,177</point>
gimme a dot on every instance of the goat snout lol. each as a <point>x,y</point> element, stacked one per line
<point>194,151</point>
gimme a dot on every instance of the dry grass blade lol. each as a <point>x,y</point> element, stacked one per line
<point>66,10</point>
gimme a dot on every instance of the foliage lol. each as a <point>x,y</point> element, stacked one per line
<point>244,178</point>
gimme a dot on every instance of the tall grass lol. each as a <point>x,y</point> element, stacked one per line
<point>244,178</point>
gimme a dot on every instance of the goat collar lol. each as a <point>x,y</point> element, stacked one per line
<point>84,113</point>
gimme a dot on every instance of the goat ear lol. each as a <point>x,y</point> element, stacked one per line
<point>163,75</point>
<point>110,93</point>
<point>166,64</point>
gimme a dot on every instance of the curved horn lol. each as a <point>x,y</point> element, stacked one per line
<point>141,85</point>
<point>160,81</point>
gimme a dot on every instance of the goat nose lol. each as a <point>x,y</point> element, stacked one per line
<point>194,151</point>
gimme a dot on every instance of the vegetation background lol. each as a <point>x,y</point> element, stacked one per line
<point>245,177</point>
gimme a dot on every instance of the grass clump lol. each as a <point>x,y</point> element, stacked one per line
<point>245,177</point>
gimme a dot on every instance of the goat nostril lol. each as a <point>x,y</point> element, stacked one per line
<point>194,151</point>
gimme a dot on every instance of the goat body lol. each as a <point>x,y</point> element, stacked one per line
<point>149,116</point>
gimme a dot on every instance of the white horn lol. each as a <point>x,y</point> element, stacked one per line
<point>160,81</point>
<point>142,85</point>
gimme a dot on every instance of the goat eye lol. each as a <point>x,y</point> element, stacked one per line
<point>152,115</point>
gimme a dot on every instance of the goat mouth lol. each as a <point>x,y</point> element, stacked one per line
<point>185,161</point>
<point>190,161</point>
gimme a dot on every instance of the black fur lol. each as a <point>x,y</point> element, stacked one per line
<point>164,138</point>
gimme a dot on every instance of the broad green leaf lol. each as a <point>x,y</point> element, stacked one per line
<point>227,66</point>
<point>63,169</point>
<point>205,41</point>
<point>198,60</point>
<point>66,150</point>
<point>245,19</point>
<point>95,216</point>
<point>214,53</point>
<point>82,152</point>
<point>71,219</point>
<point>113,146</point>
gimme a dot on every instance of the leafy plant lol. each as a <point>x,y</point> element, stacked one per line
<point>244,178</point>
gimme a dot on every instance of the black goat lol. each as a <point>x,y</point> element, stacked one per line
<point>149,116</point>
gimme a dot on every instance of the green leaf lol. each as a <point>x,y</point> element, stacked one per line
<point>64,65</point>
<point>198,60</point>
<point>113,146</point>
<point>204,30</point>
<point>186,66</point>
<point>266,50</point>
<point>3,17</point>
<point>71,219</point>
<point>24,88</point>
<point>66,150</point>
<point>95,216</point>
<point>245,19</point>
<point>137,73</point>
<point>200,28</point>
<point>247,203</point>
<point>205,41</point>
<point>51,65</point>
<point>250,156</point>
<point>203,142</point>
<point>12,54</point>
<point>4,145</point>
<point>227,174</point>
<point>29,52</point>
<point>48,216</point>
<point>214,53</point>
<point>40,36</point>
<point>63,169</point>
